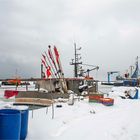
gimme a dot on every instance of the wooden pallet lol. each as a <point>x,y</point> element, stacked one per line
<point>33,101</point>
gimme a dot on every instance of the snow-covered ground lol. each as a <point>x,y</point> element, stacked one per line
<point>89,121</point>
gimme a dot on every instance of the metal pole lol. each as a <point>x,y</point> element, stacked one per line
<point>46,109</point>
<point>52,99</point>
<point>131,68</point>
<point>108,77</point>
<point>41,71</point>
<point>75,65</point>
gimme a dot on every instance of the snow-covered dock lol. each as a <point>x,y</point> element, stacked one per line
<point>89,121</point>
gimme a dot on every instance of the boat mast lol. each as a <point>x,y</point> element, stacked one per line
<point>75,61</point>
<point>136,72</point>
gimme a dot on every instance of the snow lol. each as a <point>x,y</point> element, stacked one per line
<point>120,121</point>
<point>89,121</point>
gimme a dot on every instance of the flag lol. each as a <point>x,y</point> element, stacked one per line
<point>43,62</point>
<point>58,60</point>
<point>10,93</point>
<point>48,71</point>
<point>51,57</point>
<point>44,57</point>
<point>56,54</point>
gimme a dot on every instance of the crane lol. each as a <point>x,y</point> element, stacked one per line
<point>88,70</point>
<point>110,73</point>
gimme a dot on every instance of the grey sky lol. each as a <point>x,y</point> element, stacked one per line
<point>107,30</point>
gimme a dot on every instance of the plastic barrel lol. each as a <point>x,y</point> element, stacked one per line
<point>10,123</point>
<point>24,121</point>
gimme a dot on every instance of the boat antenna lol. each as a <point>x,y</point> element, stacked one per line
<point>76,59</point>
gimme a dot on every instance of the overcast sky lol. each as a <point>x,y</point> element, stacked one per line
<point>107,30</point>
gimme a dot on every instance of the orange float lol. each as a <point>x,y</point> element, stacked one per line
<point>107,101</point>
<point>95,97</point>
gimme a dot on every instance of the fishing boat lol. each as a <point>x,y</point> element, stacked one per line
<point>131,79</point>
<point>134,77</point>
<point>14,82</point>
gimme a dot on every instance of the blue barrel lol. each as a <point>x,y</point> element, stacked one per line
<point>10,123</point>
<point>24,110</point>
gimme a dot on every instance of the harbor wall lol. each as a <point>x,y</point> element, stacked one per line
<point>39,94</point>
<point>72,84</point>
<point>49,88</point>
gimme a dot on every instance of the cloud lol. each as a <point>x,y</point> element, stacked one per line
<point>108,32</point>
